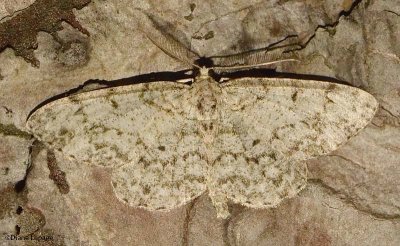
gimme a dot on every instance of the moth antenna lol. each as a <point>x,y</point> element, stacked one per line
<point>165,41</point>
<point>240,67</point>
<point>253,59</point>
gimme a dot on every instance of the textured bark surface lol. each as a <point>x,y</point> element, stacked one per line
<point>352,195</point>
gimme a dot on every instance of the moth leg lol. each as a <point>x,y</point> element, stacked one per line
<point>223,80</point>
<point>184,81</point>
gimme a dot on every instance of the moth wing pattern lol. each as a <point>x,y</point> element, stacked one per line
<point>139,131</point>
<point>270,126</point>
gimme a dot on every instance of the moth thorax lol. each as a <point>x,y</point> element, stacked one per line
<point>207,105</point>
<point>204,72</point>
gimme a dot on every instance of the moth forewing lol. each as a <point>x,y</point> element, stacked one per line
<point>269,127</point>
<point>266,129</point>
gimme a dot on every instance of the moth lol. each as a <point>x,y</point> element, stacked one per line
<point>244,140</point>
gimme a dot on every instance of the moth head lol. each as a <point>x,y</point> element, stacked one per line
<point>203,67</point>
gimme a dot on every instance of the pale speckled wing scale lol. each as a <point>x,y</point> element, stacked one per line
<point>139,130</point>
<point>268,127</point>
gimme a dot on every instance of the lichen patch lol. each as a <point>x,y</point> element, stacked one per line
<point>19,32</point>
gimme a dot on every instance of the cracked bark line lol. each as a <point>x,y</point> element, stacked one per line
<point>13,14</point>
<point>385,117</point>
<point>290,42</point>
<point>33,151</point>
<point>186,224</point>
<point>389,112</point>
<point>230,224</point>
<point>332,191</point>
<point>390,11</point>
<point>195,33</point>
<point>225,236</point>
<point>347,159</point>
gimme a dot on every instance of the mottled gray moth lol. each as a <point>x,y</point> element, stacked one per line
<point>245,140</point>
